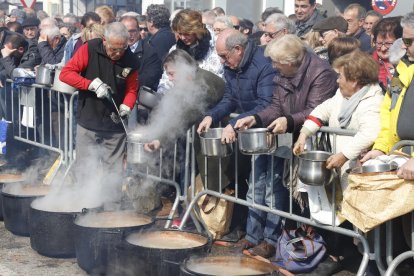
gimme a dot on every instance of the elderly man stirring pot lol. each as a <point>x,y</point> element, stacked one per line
<point>105,71</point>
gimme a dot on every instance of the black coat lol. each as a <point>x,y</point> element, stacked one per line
<point>49,55</point>
<point>149,68</point>
<point>162,41</point>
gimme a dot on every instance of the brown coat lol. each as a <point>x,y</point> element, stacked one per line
<point>295,98</point>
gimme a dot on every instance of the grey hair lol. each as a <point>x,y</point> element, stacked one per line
<point>236,38</point>
<point>373,13</point>
<point>408,20</point>
<point>51,31</point>
<point>48,21</point>
<point>361,11</point>
<point>280,22</point>
<point>116,30</point>
<point>225,20</point>
<point>289,49</point>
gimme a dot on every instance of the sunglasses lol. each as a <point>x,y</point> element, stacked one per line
<point>143,29</point>
<point>408,41</point>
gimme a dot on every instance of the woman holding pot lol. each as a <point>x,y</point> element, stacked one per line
<point>355,106</point>
<point>295,94</point>
<point>194,38</point>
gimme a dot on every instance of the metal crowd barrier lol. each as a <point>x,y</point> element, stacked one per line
<point>41,117</point>
<point>289,215</point>
<point>391,261</point>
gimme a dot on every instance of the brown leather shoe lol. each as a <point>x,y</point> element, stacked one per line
<point>244,244</point>
<point>264,250</point>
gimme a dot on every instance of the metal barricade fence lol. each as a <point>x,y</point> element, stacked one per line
<point>391,261</point>
<point>289,215</point>
<point>41,117</point>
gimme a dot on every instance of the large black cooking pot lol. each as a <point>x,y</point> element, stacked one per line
<point>98,233</point>
<point>52,232</point>
<point>156,252</point>
<point>16,200</point>
<point>225,265</point>
<point>8,178</point>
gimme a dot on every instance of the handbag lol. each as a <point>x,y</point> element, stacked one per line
<point>300,250</point>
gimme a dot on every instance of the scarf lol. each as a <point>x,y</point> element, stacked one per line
<point>349,105</point>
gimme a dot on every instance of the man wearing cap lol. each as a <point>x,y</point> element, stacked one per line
<point>330,28</point>
<point>31,28</point>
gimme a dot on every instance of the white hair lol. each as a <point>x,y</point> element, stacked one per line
<point>225,20</point>
<point>281,21</point>
<point>51,31</point>
<point>116,30</point>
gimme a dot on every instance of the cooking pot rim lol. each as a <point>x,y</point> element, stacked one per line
<point>254,130</point>
<point>78,217</point>
<point>303,154</point>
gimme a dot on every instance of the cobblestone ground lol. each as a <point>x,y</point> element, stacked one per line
<point>18,258</point>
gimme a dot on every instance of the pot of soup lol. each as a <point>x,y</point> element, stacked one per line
<point>157,252</point>
<point>98,233</point>
<point>226,265</point>
<point>16,205</point>
<point>8,178</point>
<point>51,227</point>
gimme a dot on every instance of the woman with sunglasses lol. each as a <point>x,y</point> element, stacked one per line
<point>385,33</point>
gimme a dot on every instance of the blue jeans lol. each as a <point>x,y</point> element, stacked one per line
<point>264,226</point>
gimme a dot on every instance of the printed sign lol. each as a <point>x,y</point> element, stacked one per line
<point>28,3</point>
<point>383,6</point>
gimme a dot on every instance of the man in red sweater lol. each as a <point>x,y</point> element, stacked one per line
<point>104,71</point>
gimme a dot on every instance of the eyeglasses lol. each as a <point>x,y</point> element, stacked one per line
<point>385,44</point>
<point>272,35</point>
<point>407,41</point>
<point>116,50</point>
<point>143,29</point>
<point>218,30</point>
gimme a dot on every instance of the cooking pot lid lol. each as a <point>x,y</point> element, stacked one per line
<point>227,265</point>
<point>166,239</point>
<point>112,219</point>
<point>26,190</point>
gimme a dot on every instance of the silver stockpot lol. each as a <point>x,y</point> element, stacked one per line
<point>147,97</point>
<point>60,86</point>
<point>136,154</point>
<point>44,75</point>
<point>211,144</point>
<point>312,168</point>
<point>256,141</point>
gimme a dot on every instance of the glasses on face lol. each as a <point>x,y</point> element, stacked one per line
<point>272,35</point>
<point>116,50</point>
<point>218,30</point>
<point>379,44</point>
<point>143,29</point>
<point>407,41</point>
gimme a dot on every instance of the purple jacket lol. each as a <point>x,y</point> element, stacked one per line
<point>295,98</point>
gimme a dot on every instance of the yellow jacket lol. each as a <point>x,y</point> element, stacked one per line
<point>388,136</point>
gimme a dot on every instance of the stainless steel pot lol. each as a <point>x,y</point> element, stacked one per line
<point>211,143</point>
<point>147,97</point>
<point>256,141</point>
<point>312,168</point>
<point>44,75</point>
<point>60,86</point>
<point>378,168</point>
<point>136,154</point>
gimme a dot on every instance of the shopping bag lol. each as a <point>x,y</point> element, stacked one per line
<point>300,250</point>
<point>215,212</point>
<point>4,131</point>
<point>374,198</point>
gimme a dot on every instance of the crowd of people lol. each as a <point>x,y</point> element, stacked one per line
<point>291,74</point>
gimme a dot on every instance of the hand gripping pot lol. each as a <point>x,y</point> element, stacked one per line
<point>256,141</point>
<point>312,168</point>
<point>211,144</point>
